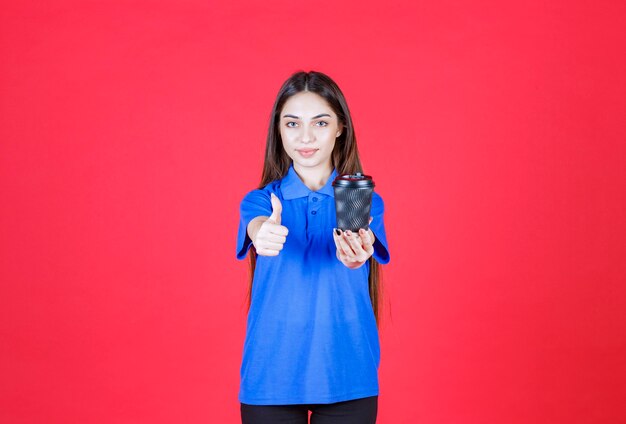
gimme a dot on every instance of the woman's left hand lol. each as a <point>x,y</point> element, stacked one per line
<point>353,250</point>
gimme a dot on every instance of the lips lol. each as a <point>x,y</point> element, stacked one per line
<point>307,153</point>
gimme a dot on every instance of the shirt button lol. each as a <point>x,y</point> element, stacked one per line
<point>315,199</point>
<point>313,212</point>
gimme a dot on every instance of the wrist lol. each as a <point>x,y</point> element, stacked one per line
<point>354,265</point>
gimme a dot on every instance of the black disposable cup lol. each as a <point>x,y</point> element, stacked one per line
<point>353,201</point>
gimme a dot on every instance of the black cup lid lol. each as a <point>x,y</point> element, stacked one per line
<point>357,180</point>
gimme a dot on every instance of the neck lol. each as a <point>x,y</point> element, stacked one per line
<point>314,178</point>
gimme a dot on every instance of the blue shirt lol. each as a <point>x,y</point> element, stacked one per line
<point>311,334</point>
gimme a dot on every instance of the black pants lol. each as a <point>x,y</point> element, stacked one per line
<point>355,411</point>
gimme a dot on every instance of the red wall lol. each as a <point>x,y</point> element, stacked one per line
<point>130,131</point>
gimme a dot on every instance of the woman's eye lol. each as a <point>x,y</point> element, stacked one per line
<point>292,124</point>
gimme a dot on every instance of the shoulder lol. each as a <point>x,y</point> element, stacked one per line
<point>260,196</point>
<point>377,201</point>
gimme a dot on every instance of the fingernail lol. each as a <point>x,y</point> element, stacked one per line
<point>337,231</point>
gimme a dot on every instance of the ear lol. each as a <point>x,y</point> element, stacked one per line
<point>340,130</point>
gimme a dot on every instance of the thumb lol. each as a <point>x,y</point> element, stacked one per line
<point>277,209</point>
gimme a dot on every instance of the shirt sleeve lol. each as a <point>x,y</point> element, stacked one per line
<point>255,203</point>
<point>381,248</point>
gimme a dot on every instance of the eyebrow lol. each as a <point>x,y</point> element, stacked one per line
<point>315,117</point>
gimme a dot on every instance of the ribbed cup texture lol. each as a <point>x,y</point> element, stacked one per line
<point>353,207</point>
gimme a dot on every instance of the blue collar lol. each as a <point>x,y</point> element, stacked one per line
<point>292,186</point>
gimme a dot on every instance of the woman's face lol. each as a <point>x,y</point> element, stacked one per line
<point>308,128</point>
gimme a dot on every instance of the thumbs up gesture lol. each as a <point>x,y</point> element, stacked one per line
<point>271,236</point>
<point>277,209</point>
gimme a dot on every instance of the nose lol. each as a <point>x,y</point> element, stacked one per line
<point>307,134</point>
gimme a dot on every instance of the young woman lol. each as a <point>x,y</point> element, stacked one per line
<point>312,329</point>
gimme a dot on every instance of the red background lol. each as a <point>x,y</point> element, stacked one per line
<point>130,131</point>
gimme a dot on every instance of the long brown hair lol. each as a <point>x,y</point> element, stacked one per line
<point>345,157</point>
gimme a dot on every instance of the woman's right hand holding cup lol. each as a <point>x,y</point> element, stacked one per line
<point>267,235</point>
